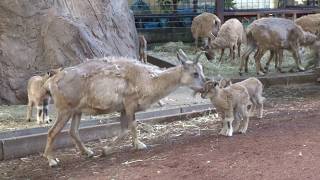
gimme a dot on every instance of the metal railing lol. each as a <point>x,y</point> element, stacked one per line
<point>168,14</point>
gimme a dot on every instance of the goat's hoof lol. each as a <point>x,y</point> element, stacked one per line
<point>226,132</point>
<point>243,131</point>
<point>301,69</point>
<point>106,151</point>
<point>53,162</point>
<point>260,73</point>
<point>140,145</point>
<point>229,133</point>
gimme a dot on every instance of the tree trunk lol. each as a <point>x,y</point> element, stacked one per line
<point>36,36</point>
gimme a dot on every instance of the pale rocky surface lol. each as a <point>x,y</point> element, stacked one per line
<point>38,35</point>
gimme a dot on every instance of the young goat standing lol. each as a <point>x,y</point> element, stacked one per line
<point>254,88</point>
<point>37,98</point>
<point>231,103</point>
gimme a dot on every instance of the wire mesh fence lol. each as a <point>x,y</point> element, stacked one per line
<point>168,14</point>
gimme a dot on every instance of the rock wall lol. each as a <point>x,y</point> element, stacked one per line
<point>37,35</point>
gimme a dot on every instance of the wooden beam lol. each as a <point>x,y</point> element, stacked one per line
<point>220,9</point>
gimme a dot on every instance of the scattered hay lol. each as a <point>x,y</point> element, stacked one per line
<point>195,127</point>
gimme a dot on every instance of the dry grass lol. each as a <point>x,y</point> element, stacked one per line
<point>227,68</point>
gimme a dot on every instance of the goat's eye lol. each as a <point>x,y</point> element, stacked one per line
<point>195,75</point>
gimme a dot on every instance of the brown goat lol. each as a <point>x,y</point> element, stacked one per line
<point>205,25</point>
<point>37,98</point>
<point>114,84</point>
<point>231,103</point>
<point>311,23</point>
<point>273,34</point>
<point>254,88</point>
<point>231,35</point>
<point>142,49</point>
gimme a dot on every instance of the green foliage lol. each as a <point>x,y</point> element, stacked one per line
<point>229,4</point>
<point>165,6</point>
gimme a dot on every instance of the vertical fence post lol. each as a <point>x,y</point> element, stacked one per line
<point>220,9</point>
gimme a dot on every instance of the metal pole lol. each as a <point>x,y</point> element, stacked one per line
<point>220,9</point>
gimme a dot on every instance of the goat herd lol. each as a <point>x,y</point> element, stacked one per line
<point>121,84</point>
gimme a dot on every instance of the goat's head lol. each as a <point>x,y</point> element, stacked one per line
<point>216,26</point>
<point>210,50</point>
<point>192,72</point>
<point>209,88</point>
<point>309,38</point>
<point>52,72</point>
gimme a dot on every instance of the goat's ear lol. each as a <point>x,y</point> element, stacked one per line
<point>182,56</point>
<point>198,57</point>
<point>209,85</point>
<point>181,59</point>
<point>223,83</point>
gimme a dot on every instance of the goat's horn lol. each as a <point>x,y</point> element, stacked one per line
<point>198,57</point>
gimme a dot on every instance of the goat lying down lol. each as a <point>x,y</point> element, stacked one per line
<point>231,103</point>
<point>114,84</point>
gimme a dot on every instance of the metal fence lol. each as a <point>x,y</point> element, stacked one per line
<point>167,14</point>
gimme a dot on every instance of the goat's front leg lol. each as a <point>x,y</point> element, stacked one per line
<point>62,119</point>
<point>137,144</point>
<point>224,129</point>
<point>74,133</point>
<point>29,110</point>
<point>227,129</point>
<point>40,118</point>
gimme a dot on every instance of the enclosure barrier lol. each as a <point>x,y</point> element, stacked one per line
<point>170,20</point>
<point>20,143</point>
<point>25,142</point>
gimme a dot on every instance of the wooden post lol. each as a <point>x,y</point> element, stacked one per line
<point>220,9</point>
<point>294,16</point>
<point>258,16</point>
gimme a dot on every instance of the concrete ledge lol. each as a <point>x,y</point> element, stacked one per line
<point>21,146</point>
<point>1,150</point>
<point>284,79</point>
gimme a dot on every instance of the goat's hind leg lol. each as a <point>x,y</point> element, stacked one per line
<point>74,133</point>
<point>110,149</point>
<point>245,122</point>
<point>260,106</point>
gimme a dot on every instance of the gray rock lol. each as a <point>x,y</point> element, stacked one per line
<point>36,36</point>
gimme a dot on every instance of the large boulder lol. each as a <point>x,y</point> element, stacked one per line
<point>36,36</point>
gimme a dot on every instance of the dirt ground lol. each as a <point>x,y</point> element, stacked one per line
<point>284,144</point>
